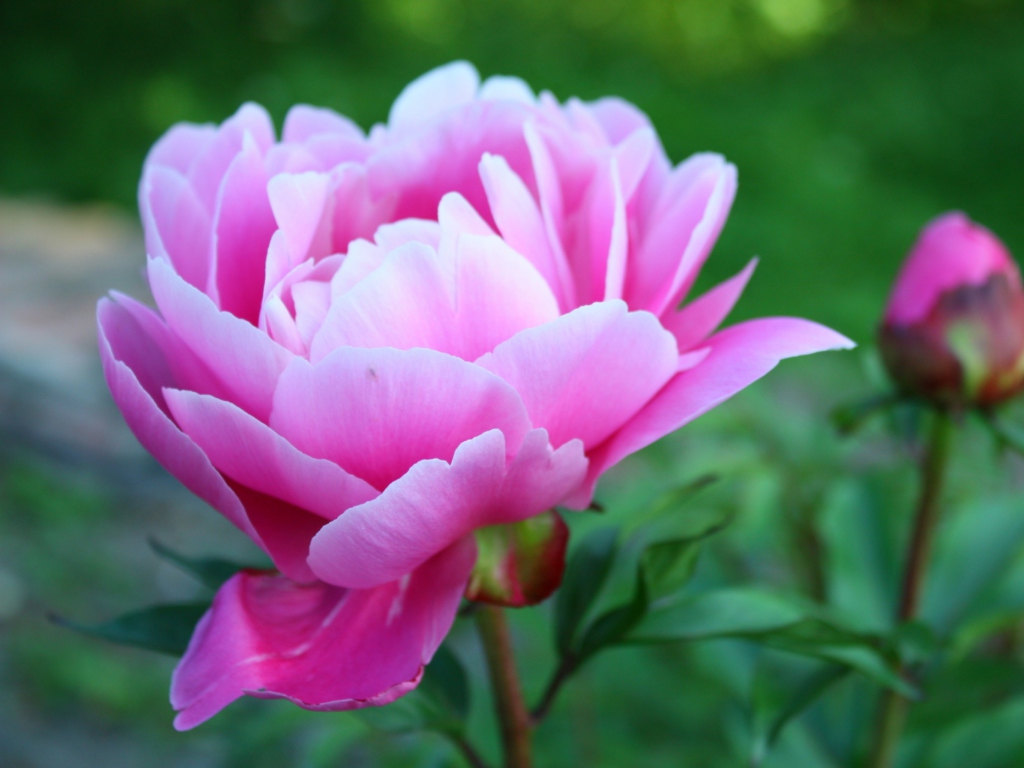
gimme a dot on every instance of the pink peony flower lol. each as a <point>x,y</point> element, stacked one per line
<point>953,331</point>
<point>369,346</point>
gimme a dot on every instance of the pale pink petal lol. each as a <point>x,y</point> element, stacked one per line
<point>435,504</point>
<point>180,146</point>
<point>299,203</point>
<point>503,88</point>
<point>523,227</point>
<point>363,259</point>
<point>740,355</point>
<point>358,211</point>
<point>207,170</point>
<point>618,243</point>
<point>433,94</point>
<point>245,360</point>
<point>176,223</point>
<point>321,647</point>
<point>585,374</point>
<point>391,236</point>
<point>376,412</point>
<point>677,236</point>
<point>423,167</point>
<point>618,118</point>
<point>633,156</point>
<point>252,454</point>
<point>312,300</point>
<point>692,324</point>
<point>243,224</point>
<point>136,371</point>
<point>405,303</point>
<point>303,122</point>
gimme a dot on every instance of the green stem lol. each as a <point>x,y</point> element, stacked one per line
<point>513,716</point>
<point>893,712</point>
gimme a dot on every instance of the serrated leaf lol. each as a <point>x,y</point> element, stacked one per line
<point>211,572</point>
<point>162,628</point>
<point>585,574</point>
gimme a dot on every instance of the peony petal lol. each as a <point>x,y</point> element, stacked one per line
<point>136,370</point>
<point>502,88</point>
<point>243,225</point>
<point>588,372</point>
<point>677,235</point>
<point>699,319</point>
<point>176,223</point>
<point>376,412</point>
<point>321,647</point>
<point>522,225</point>
<point>433,94</point>
<point>464,301</point>
<point>180,146</point>
<point>245,360</point>
<point>304,122</point>
<point>436,504</point>
<point>252,454</point>
<point>207,171</point>
<point>740,355</point>
<point>299,204</point>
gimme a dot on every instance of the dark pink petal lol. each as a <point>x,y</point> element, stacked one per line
<point>176,223</point>
<point>702,316</point>
<point>435,504</point>
<point>136,371</point>
<point>376,412</point>
<point>321,647</point>
<point>245,360</point>
<point>740,355</point>
<point>252,454</point>
<point>587,373</point>
<point>242,225</point>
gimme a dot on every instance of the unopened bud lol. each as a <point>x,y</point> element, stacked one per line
<point>953,331</point>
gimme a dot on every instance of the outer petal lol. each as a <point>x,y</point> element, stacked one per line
<point>699,319</point>
<point>585,374</point>
<point>246,361</point>
<point>376,412</point>
<point>207,170</point>
<point>321,647</point>
<point>176,223</point>
<point>252,454</point>
<point>131,341</point>
<point>304,122</point>
<point>436,504</point>
<point>180,146</point>
<point>739,356</point>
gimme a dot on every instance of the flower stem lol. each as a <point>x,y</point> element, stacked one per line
<point>893,711</point>
<point>513,716</point>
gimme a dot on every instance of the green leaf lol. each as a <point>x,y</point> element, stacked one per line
<point>805,694</point>
<point>446,682</point>
<point>672,546</point>
<point>211,572</point>
<point>850,417</point>
<point>585,574</point>
<point>162,628</point>
<point>780,622</point>
<point>611,627</point>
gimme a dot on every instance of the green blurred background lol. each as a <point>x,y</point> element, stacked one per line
<point>852,122</point>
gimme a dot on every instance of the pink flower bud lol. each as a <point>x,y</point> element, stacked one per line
<point>953,331</point>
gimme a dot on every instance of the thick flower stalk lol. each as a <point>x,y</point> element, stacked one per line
<point>367,348</point>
